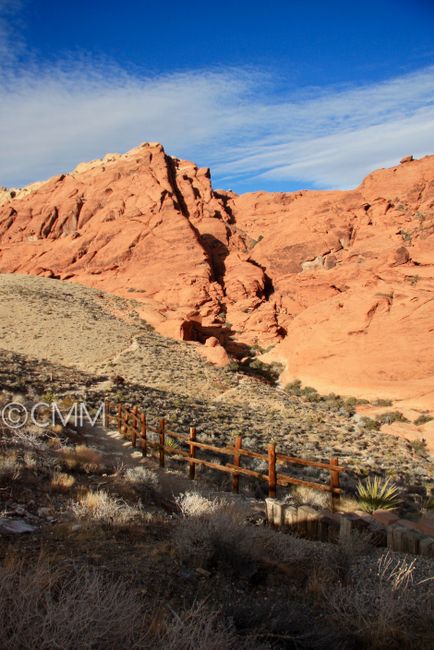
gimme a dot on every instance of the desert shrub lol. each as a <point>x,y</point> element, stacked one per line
<point>382,402</point>
<point>30,461</point>
<point>357,401</point>
<point>82,458</point>
<point>140,475</point>
<point>377,494</point>
<point>9,465</point>
<point>222,539</point>
<point>338,403</point>
<point>391,416</point>
<point>294,387</point>
<point>330,401</point>
<point>46,607</point>
<point>423,419</point>
<point>172,443</point>
<point>419,446</point>
<point>268,371</point>
<point>199,628</point>
<point>310,394</point>
<point>307,496</point>
<point>360,542</point>
<point>382,610</point>
<point>100,506</point>
<point>193,504</point>
<point>62,482</point>
<point>370,424</point>
<point>49,397</point>
<point>233,366</point>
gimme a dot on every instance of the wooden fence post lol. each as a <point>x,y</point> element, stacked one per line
<point>272,480</point>
<point>119,418</point>
<point>162,440</point>
<point>236,462</point>
<point>135,426</point>
<point>334,483</point>
<point>126,422</point>
<point>143,433</point>
<point>106,422</point>
<point>192,437</point>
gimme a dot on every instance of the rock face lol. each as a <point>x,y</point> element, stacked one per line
<point>340,283</point>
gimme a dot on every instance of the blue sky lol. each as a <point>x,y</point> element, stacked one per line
<point>278,95</point>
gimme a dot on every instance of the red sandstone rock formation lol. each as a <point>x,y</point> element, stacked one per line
<point>341,283</point>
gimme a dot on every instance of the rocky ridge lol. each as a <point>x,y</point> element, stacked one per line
<point>338,283</point>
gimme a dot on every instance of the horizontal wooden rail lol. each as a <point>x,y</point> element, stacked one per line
<point>181,436</point>
<point>132,423</point>
<point>307,463</point>
<point>227,451</point>
<point>253,454</point>
<point>288,480</point>
<point>248,472</point>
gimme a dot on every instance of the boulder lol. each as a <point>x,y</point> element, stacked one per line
<point>399,256</point>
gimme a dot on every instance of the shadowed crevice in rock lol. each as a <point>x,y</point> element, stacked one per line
<point>171,171</point>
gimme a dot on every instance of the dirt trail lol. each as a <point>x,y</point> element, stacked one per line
<point>114,446</point>
<point>118,451</point>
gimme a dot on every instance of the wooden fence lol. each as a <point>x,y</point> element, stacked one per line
<point>132,423</point>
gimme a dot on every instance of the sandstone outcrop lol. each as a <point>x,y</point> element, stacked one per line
<point>338,283</point>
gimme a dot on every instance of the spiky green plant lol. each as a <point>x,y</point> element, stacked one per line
<point>377,494</point>
<point>172,443</point>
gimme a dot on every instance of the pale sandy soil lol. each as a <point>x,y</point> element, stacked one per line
<point>62,332</point>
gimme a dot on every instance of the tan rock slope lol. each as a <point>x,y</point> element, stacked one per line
<point>340,283</point>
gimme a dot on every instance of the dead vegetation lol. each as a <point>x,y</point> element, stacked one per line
<point>101,506</point>
<point>108,567</point>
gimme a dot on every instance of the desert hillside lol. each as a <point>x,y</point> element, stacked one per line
<point>336,285</point>
<point>99,546</point>
<point>62,338</point>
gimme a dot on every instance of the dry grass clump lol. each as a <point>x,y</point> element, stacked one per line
<point>193,504</point>
<point>30,461</point>
<point>47,607</point>
<point>200,628</point>
<point>140,476</point>
<point>62,482</point>
<point>383,611</point>
<point>360,542</point>
<point>10,465</point>
<point>221,538</point>
<point>82,458</point>
<point>306,496</point>
<point>101,506</point>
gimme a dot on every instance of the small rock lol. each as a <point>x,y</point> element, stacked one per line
<point>406,159</point>
<point>399,256</point>
<point>15,526</point>
<point>330,262</point>
<point>203,572</point>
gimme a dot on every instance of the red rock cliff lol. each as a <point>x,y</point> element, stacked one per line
<point>341,283</point>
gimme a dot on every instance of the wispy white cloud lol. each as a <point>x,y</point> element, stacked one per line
<point>11,43</point>
<point>240,122</point>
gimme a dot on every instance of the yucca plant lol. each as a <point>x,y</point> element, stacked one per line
<point>377,494</point>
<point>172,443</point>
